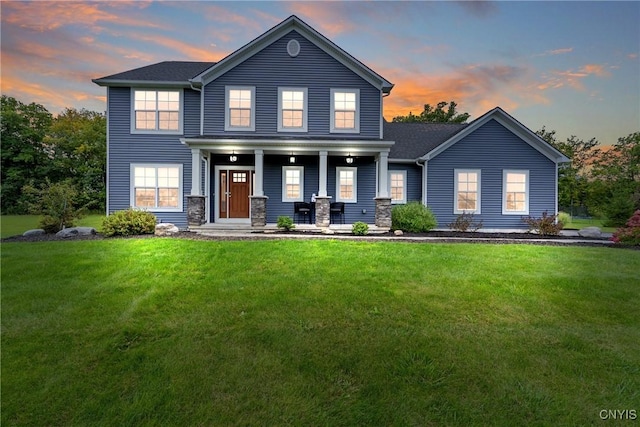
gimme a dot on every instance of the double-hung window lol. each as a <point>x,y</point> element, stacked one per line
<point>240,111</point>
<point>292,109</point>
<point>345,110</point>
<point>292,183</point>
<point>157,111</point>
<point>347,184</point>
<point>156,187</point>
<point>466,191</point>
<point>398,186</point>
<point>515,192</point>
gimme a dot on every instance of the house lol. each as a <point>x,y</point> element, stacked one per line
<point>289,117</point>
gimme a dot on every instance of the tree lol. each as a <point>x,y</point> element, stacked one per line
<point>435,115</point>
<point>78,141</point>
<point>25,157</point>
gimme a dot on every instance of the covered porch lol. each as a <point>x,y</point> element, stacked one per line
<point>240,183</point>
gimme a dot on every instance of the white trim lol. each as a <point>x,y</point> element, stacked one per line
<point>156,131</point>
<point>108,158</point>
<point>305,109</point>
<point>504,192</point>
<point>300,169</point>
<point>356,128</point>
<point>132,201</point>
<point>354,199</point>
<point>207,186</point>
<point>216,199</point>
<point>227,123</point>
<point>478,208</point>
<point>402,172</point>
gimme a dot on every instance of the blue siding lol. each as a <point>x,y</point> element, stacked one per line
<point>126,148</point>
<point>312,68</point>
<point>414,179</point>
<point>492,149</point>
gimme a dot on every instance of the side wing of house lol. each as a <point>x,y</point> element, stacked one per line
<point>498,171</point>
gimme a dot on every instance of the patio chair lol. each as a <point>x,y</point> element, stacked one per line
<point>336,209</point>
<point>302,209</point>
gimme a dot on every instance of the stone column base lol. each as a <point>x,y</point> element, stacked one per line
<point>258,210</point>
<point>196,210</point>
<point>323,217</point>
<point>383,212</point>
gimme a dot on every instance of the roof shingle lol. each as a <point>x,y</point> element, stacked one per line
<point>414,140</point>
<point>167,71</point>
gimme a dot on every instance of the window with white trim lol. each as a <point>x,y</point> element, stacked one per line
<point>156,187</point>
<point>466,191</point>
<point>398,186</point>
<point>345,110</point>
<point>240,112</point>
<point>347,184</point>
<point>157,111</point>
<point>293,183</point>
<point>292,109</point>
<point>515,192</point>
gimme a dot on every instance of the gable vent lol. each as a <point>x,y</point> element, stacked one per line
<point>293,48</point>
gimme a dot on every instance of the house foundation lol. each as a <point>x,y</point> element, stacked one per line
<point>383,212</point>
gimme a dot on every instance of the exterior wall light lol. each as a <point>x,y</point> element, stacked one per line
<point>233,158</point>
<point>292,158</point>
<point>349,159</point>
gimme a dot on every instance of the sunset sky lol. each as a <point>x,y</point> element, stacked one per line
<point>569,66</point>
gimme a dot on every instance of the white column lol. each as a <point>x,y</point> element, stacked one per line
<point>322,181</point>
<point>383,164</point>
<point>196,171</point>
<point>259,163</point>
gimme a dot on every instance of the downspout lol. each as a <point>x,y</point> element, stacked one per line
<point>424,181</point>
<point>201,106</point>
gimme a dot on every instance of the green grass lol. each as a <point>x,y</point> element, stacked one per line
<point>577,224</point>
<point>176,332</point>
<point>12,225</point>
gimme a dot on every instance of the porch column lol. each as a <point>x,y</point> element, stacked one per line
<point>258,190</point>
<point>322,181</point>
<point>196,171</point>
<point>383,171</point>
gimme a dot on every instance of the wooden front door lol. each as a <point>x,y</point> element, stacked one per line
<point>239,192</point>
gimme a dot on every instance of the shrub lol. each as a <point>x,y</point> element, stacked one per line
<point>630,234</point>
<point>618,210</point>
<point>360,228</point>
<point>546,225</point>
<point>129,222</point>
<point>464,222</point>
<point>414,217</point>
<point>286,222</point>
<point>564,217</point>
<point>56,204</point>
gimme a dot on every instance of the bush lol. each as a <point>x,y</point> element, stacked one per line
<point>360,228</point>
<point>564,218</point>
<point>618,210</point>
<point>129,222</point>
<point>56,204</point>
<point>630,234</point>
<point>414,217</point>
<point>286,222</point>
<point>464,222</point>
<point>547,225</point>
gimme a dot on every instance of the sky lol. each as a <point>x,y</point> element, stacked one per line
<point>572,67</point>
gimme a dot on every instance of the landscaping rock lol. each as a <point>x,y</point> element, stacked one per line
<point>398,233</point>
<point>593,232</point>
<point>327,231</point>
<point>34,232</point>
<point>166,229</point>
<point>76,231</point>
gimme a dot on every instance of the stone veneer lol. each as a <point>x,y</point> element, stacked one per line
<point>322,211</point>
<point>383,212</point>
<point>196,210</point>
<point>258,211</point>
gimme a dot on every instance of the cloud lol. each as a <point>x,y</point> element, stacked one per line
<point>478,8</point>
<point>330,19</point>
<point>560,51</point>
<point>573,78</point>
<point>186,50</point>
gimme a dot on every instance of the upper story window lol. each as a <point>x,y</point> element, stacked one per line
<point>157,111</point>
<point>292,109</point>
<point>398,186</point>
<point>515,192</point>
<point>467,191</point>
<point>240,108</point>
<point>347,184</point>
<point>345,110</point>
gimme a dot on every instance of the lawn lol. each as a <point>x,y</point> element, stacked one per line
<point>177,332</point>
<point>12,225</point>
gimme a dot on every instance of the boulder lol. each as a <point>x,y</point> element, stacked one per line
<point>593,232</point>
<point>166,229</point>
<point>398,233</point>
<point>76,231</point>
<point>34,232</point>
<point>327,231</point>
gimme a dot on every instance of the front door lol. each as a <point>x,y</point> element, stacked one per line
<point>234,192</point>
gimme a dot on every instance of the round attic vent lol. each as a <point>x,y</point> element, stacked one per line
<point>293,48</point>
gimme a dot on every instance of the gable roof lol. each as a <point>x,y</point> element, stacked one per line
<point>290,24</point>
<point>413,140</point>
<point>168,72</point>
<point>511,124</point>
